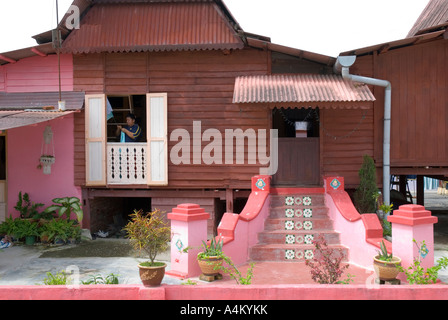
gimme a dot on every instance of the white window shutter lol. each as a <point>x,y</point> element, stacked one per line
<point>95,140</point>
<point>157,134</point>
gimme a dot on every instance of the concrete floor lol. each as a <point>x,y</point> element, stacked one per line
<point>23,265</point>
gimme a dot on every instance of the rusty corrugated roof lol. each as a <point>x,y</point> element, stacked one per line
<point>299,88</point>
<point>38,100</point>
<point>17,119</point>
<point>165,26</point>
<point>435,14</point>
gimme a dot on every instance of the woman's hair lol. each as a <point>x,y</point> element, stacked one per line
<point>131,115</point>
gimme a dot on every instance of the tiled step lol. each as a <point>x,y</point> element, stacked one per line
<point>278,252</point>
<point>298,200</point>
<point>296,237</point>
<point>299,212</point>
<point>297,224</point>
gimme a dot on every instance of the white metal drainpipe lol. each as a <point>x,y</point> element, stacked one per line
<point>342,66</point>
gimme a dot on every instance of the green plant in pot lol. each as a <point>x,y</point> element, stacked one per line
<point>26,229</point>
<point>211,258</point>
<point>26,208</point>
<point>385,264</point>
<point>148,232</point>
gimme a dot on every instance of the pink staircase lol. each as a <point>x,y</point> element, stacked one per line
<point>296,217</point>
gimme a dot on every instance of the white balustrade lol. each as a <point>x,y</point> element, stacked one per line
<point>127,163</point>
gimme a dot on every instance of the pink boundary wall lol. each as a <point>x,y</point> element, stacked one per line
<point>362,234</point>
<point>23,151</point>
<point>216,292</point>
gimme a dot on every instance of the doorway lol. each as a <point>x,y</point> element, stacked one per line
<point>298,147</point>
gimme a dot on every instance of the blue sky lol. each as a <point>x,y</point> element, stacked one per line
<point>322,26</point>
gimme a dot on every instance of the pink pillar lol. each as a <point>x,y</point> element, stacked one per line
<point>189,228</point>
<point>408,223</point>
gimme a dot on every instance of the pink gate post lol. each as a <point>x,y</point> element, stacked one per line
<point>413,222</point>
<point>189,229</point>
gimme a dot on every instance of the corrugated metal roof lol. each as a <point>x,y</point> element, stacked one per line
<point>163,26</point>
<point>435,14</point>
<point>22,101</point>
<point>299,88</point>
<point>44,49</point>
<point>17,119</point>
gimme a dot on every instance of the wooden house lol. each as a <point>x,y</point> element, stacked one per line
<point>187,66</point>
<point>416,68</point>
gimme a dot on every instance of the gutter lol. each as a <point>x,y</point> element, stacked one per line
<point>342,66</point>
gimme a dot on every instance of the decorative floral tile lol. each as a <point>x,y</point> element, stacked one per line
<point>309,238</point>
<point>289,213</point>
<point>299,239</point>
<point>308,213</point>
<point>289,254</point>
<point>299,225</point>
<point>298,201</point>
<point>308,225</point>
<point>289,201</point>
<point>309,254</point>
<point>306,201</point>
<point>289,225</point>
<point>299,254</point>
<point>299,213</point>
<point>290,239</point>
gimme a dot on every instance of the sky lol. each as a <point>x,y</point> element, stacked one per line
<point>327,27</point>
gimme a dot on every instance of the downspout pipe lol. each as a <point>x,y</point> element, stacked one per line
<point>342,66</point>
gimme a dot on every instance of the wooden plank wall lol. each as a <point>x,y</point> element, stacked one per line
<point>419,104</point>
<point>2,78</point>
<point>199,86</point>
<point>344,155</point>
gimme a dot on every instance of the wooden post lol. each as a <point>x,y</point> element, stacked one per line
<point>229,200</point>
<point>188,229</point>
<point>420,190</point>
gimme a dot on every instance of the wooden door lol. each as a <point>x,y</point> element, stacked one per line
<point>298,162</point>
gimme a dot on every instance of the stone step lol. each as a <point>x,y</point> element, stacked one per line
<point>299,212</point>
<point>278,252</point>
<point>302,237</point>
<point>297,224</point>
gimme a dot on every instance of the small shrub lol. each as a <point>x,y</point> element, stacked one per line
<point>364,196</point>
<point>416,274</point>
<point>100,279</point>
<point>326,266</point>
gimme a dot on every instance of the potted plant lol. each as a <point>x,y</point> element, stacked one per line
<point>385,264</point>
<point>211,258</point>
<point>67,206</point>
<point>26,208</point>
<point>29,231</point>
<point>150,233</point>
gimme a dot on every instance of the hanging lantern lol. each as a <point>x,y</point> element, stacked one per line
<point>47,158</point>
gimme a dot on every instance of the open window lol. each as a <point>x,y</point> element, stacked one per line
<point>109,162</point>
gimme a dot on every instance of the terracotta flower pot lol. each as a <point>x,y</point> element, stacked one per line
<point>386,270</point>
<point>208,265</point>
<point>152,276</point>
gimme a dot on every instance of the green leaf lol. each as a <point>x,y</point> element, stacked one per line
<point>52,208</point>
<point>62,211</point>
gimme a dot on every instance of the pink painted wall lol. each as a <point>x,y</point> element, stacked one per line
<point>23,152</point>
<point>37,74</point>
<point>226,293</point>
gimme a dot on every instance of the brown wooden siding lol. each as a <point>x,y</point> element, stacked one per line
<point>419,95</point>
<point>344,155</point>
<point>199,86</point>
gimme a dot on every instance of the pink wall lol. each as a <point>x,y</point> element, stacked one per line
<point>226,293</point>
<point>24,149</point>
<point>37,74</point>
